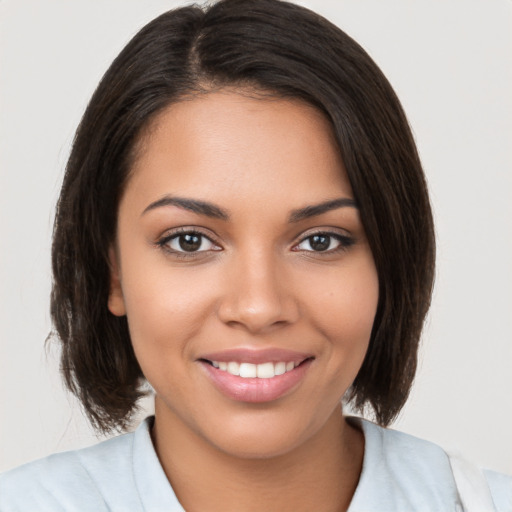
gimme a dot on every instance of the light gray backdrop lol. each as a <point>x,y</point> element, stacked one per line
<point>451,64</point>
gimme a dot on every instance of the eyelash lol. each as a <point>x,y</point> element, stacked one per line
<point>164,242</point>
<point>344,242</point>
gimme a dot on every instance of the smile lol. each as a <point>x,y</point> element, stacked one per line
<point>256,376</point>
<point>249,370</point>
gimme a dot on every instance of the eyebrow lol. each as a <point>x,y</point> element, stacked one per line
<point>193,205</point>
<point>318,209</point>
<point>214,211</point>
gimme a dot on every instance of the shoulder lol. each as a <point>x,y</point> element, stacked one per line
<point>85,479</point>
<point>501,489</point>
<point>403,472</point>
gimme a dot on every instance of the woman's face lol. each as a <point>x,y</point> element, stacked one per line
<point>240,250</point>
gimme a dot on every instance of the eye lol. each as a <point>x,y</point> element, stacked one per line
<point>187,242</point>
<point>325,242</point>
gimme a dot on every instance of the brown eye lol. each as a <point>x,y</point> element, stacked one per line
<point>320,242</point>
<point>191,242</point>
<point>188,242</point>
<point>325,242</point>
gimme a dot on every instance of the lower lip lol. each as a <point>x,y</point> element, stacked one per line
<point>253,389</point>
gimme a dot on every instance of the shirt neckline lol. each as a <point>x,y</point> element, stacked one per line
<point>384,481</point>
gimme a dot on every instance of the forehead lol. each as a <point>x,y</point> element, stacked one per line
<point>224,145</point>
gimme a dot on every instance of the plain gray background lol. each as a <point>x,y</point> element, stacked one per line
<point>450,63</point>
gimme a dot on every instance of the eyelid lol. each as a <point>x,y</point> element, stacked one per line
<point>167,236</point>
<point>324,231</point>
<point>346,240</point>
<point>184,230</point>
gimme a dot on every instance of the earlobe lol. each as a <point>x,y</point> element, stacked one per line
<point>115,297</point>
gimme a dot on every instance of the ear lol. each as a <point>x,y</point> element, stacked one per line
<point>115,296</point>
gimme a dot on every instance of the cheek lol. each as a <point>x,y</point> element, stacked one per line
<point>355,309</point>
<point>345,313</point>
<point>165,311</point>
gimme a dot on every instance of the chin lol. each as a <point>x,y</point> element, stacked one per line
<point>250,446</point>
<point>261,436</point>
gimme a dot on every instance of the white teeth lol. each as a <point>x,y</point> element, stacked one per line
<point>249,370</point>
<point>233,368</point>
<point>279,368</point>
<point>265,371</point>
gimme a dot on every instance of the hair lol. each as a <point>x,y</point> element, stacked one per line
<point>286,51</point>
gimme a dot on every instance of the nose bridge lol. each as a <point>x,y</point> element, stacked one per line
<point>256,295</point>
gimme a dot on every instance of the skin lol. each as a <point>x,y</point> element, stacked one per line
<point>259,283</point>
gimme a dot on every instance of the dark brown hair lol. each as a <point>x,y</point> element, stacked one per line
<point>277,48</point>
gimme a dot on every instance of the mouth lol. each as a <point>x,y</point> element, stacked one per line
<point>256,376</point>
<point>267,370</point>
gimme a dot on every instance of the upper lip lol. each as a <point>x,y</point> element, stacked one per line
<point>257,356</point>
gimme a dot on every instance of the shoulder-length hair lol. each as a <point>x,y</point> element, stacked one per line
<point>286,51</point>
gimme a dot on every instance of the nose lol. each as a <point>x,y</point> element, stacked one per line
<point>257,296</point>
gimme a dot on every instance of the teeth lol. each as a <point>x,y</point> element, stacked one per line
<point>265,371</point>
<point>249,370</point>
<point>279,368</point>
<point>233,368</point>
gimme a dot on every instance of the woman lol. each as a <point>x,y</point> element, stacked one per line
<point>244,223</point>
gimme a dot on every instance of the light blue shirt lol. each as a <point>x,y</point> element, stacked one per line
<point>123,474</point>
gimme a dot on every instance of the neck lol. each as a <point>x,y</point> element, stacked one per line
<point>320,474</point>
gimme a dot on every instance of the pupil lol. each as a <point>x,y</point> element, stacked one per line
<point>190,242</point>
<point>320,242</point>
